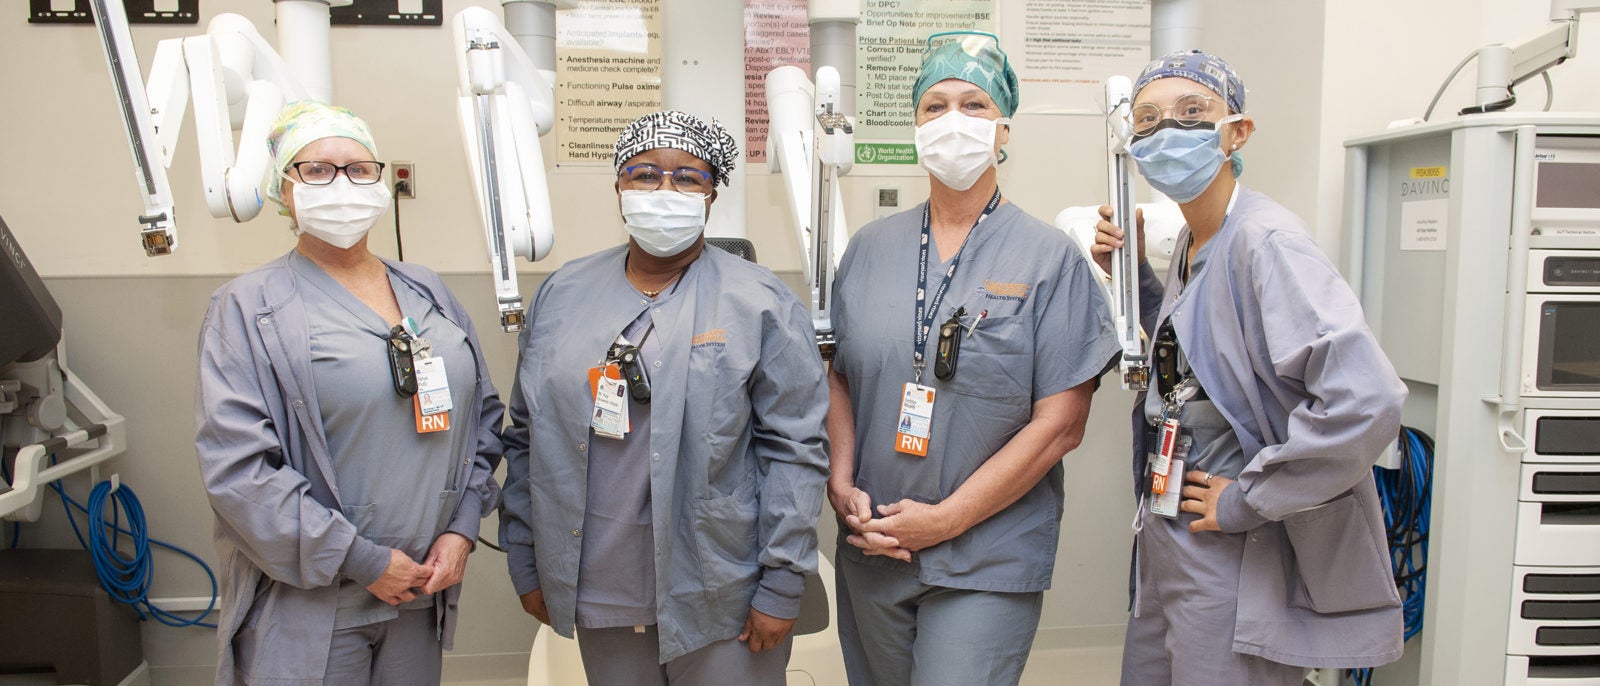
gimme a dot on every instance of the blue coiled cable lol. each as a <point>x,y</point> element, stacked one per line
<point>127,576</point>
<point>1407,497</point>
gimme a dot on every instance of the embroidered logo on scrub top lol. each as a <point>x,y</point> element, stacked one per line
<point>995,290</point>
<point>715,338</point>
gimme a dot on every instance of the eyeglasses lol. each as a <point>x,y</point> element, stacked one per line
<point>319,173</point>
<point>982,46</point>
<point>1189,111</point>
<point>648,177</point>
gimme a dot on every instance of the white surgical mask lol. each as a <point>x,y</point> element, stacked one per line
<point>957,148</point>
<point>339,213</point>
<point>664,222</point>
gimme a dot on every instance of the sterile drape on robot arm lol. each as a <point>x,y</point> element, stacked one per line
<point>237,81</point>
<point>505,103</point>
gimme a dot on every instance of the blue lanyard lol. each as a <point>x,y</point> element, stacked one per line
<point>926,309</point>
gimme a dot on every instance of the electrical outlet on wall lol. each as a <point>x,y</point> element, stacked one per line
<point>405,180</point>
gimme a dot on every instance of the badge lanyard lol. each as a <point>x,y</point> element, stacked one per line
<point>928,309</point>
<point>915,426</point>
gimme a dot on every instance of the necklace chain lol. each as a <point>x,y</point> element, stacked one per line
<point>628,270</point>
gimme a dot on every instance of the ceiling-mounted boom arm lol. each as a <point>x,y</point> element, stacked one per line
<point>158,231</point>
<point>505,103</point>
<point>1502,67</point>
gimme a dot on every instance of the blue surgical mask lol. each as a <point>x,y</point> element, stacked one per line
<point>1181,162</point>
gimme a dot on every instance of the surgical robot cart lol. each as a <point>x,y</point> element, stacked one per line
<point>1475,247</point>
<point>52,425</point>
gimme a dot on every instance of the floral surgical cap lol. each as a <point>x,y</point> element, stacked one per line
<point>708,141</point>
<point>303,122</point>
<point>972,57</point>
<point>1202,68</point>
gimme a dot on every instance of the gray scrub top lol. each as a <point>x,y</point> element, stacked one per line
<point>1212,445</point>
<point>1046,330</point>
<point>616,569</point>
<point>392,480</point>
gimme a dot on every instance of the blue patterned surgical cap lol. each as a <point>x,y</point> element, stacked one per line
<point>1203,68</point>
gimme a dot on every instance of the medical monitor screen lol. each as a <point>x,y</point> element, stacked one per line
<point>1569,185</point>
<point>1569,358</point>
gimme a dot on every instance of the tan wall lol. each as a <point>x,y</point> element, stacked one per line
<point>66,190</point>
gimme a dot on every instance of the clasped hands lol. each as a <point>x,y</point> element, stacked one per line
<point>405,578</point>
<point>896,530</point>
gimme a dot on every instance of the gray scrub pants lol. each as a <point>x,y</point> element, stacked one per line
<point>401,651</point>
<point>1189,596</point>
<point>1189,583</point>
<point>621,656</point>
<point>896,630</point>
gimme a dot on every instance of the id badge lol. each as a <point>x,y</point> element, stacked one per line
<point>433,386</point>
<point>611,409</point>
<point>428,423</point>
<point>916,420</point>
<point>1161,460</point>
<point>1165,502</point>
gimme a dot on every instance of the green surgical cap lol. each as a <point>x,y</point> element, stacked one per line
<point>973,57</point>
<point>303,122</point>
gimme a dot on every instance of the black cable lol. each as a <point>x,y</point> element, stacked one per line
<point>1496,106</point>
<point>399,244</point>
<point>491,546</point>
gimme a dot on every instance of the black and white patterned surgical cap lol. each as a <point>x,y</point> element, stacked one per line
<point>708,141</point>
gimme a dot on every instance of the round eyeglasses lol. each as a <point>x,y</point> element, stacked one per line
<point>648,177</point>
<point>319,173</point>
<point>1189,111</point>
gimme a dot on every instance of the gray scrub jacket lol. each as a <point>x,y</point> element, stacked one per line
<point>738,452</point>
<point>282,540</point>
<point>1279,342</point>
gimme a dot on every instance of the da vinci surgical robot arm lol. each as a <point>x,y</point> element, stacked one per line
<point>811,142</point>
<point>1135,363</point>
<point>506,102</point>
<point>237,82</point>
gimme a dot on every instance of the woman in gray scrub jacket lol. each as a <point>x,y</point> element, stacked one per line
<point>969,337</point>
<point>1264,553</point>
<point>666,454</point>
<point>348,480</point>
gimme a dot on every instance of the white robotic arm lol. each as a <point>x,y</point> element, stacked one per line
<point>1135,363</point>
<point>237,82</point>
<point>505,104</point>
<point>158,233</point>
<point>811,142</point>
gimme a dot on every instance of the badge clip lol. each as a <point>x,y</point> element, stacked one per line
<point>402,365</point>
<point>948,348</point>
